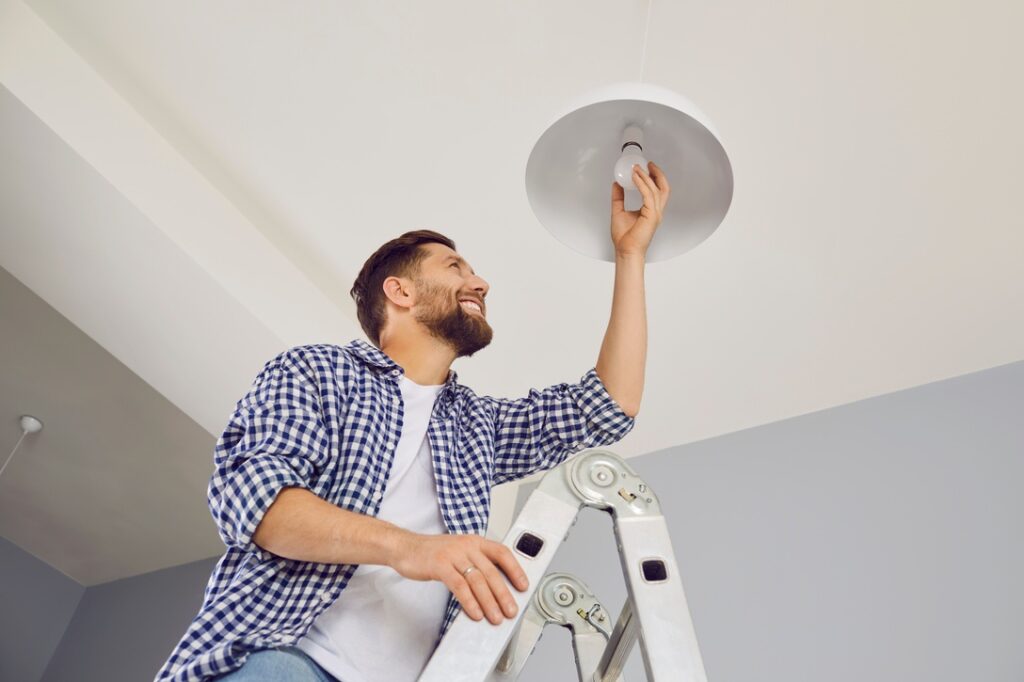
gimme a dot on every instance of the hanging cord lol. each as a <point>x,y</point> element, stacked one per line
<point>643,56</point>
<point>23,434</point>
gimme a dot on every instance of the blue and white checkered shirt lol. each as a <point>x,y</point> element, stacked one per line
<point>327,418</point>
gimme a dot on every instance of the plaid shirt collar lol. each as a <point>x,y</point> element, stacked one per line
<point>375,357</point>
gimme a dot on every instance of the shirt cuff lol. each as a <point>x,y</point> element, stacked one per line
<point>602,410</point>
<point>246,495</point>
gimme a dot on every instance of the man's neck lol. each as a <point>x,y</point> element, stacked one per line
<point>425,359</point>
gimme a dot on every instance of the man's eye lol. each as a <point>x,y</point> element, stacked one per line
<point>454,265</point>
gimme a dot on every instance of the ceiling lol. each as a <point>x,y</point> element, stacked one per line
<point>115,483</point>
<point>189,188</point>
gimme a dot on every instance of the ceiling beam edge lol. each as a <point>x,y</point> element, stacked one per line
<point>39,68</point>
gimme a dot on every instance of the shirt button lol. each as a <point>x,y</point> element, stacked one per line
<point>377,495</point>
<point>396,399</point>
<point>395,372</point>
<point>325,596</point>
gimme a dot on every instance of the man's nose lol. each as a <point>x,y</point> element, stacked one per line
<point>481,285</point>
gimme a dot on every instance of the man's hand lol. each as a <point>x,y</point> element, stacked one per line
<point>632,231</point>
<point>445,557</point>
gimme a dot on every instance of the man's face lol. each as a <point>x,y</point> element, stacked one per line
<point>447,289</point>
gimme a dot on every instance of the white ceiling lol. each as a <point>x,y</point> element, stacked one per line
<point>195,186</point>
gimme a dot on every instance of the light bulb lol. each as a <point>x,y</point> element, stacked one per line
<point>632,153</point>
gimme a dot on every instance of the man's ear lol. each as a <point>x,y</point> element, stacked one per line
<point>399,291</point>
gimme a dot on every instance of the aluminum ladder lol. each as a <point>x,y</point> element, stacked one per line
<point>655,611</point>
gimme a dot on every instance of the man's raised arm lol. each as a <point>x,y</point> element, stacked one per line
<point>623,355</point>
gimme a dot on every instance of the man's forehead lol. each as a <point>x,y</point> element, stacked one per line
<point>443,254</point>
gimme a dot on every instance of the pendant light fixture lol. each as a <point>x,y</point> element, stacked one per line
<point>595,141</point>
<point>29,425</point>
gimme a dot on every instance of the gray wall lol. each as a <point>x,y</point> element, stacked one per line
<point>126,629</point>
<point>880,540</point>
<point>36,604</point>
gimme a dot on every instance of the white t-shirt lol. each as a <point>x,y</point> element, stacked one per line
<point>382,627</point>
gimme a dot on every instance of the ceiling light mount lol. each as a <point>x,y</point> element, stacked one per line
<point>29,424</point>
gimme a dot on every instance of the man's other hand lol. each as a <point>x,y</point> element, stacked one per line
<point>445,557</point>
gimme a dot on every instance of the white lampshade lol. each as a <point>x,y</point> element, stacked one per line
<point>570,171</point>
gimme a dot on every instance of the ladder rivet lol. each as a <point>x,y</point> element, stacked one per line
<point>602,475</point>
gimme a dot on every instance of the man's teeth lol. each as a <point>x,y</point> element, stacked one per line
<point>474,306</point>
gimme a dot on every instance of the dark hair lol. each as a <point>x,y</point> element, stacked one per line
<point>399,257</point>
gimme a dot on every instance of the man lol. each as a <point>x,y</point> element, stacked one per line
<point>352,484</point>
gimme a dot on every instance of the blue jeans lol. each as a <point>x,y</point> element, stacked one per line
<point>286,664</point>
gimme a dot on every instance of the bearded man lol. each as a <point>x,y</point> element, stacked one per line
<point>352,483</point>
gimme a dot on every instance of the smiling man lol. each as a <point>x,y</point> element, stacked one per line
<point>352,483</point>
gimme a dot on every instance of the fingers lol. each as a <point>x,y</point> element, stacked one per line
<point>481,587</point>
<point>647,188</point>
<point>497,594</point>
<point>653,186</point>
<point>483,591</point>
<point>664,189</point>
<point>657,182</point>
<point>660,179</point>
<point>503,557</point>
<point>498,586</point>
<point>463,592</point>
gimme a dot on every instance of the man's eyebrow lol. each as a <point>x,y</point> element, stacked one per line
<point>460,260</point>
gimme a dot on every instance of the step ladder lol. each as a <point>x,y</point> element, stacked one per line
<point>655,612</point>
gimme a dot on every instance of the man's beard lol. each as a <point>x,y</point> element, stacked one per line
<point>445,319</point>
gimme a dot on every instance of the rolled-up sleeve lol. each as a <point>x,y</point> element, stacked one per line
<point>541,430</point>
<point>276,438</point>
